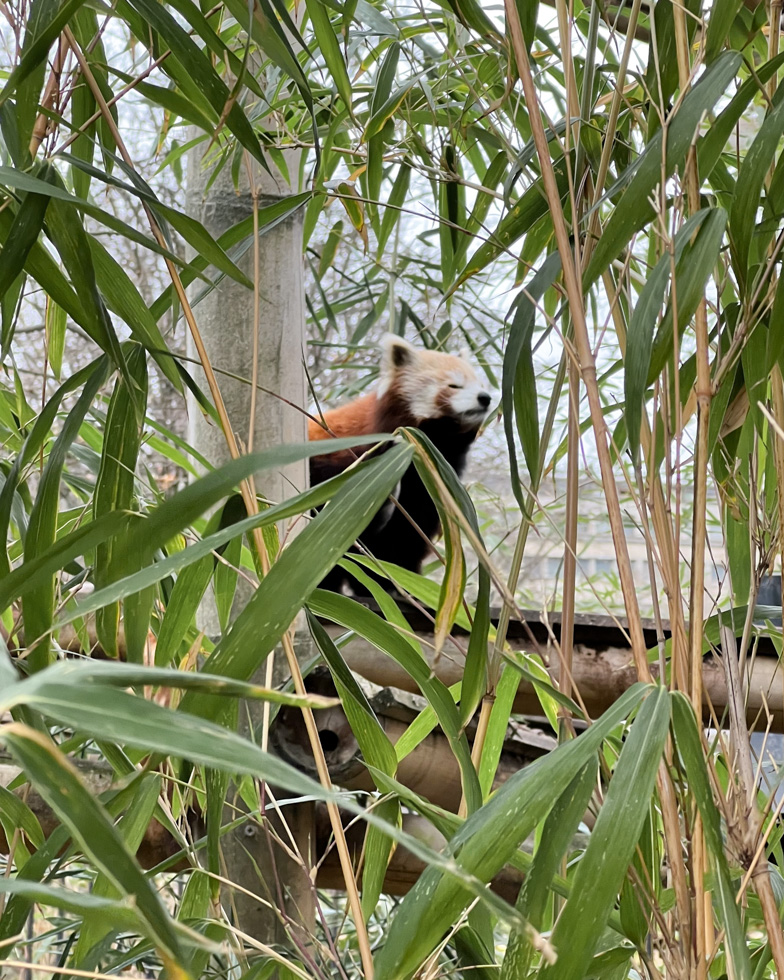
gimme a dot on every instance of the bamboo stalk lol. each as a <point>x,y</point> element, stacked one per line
<point>587,360</point>
<point>699,508</point>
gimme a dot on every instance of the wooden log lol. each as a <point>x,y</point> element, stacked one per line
<point>430,770</point>
<point>602,666</point>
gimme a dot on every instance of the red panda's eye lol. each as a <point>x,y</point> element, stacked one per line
<point>455,386</point>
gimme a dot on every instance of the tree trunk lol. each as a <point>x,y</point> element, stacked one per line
<point>227,321</point>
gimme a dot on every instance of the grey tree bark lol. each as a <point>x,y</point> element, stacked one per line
<point>254,859</point>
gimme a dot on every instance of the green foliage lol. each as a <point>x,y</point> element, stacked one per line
<point>651,168</point>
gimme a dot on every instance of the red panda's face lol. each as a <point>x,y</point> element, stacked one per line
<point>433,385</point>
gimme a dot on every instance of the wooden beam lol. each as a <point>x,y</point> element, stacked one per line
<point>602,668</point>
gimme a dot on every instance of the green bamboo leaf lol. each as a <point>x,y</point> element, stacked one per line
<point>299,569</point>
<point>396,200</point>
<point>16,815</point>
<point>61,787</point>
<point>557,834</point>
<point>518,389</point>
<point>601,871</point>
<point>123,298</point>
<point>134,721</point>
<point>634,210</point>
<point>497,727</point>
<point>24,232</point>
<point>373,741</point>
<point>713,143</point>
<point>421,727</point>
<point>38,603</point>
<point>35,574</point>
<point>377,851</point>
<point>688,745</point>
<point>33,185</point>
<point>40,16</point>
<point>723,13</point>
<point>196,63</point>
<point>114,488</point>
<point>30,876</point>
<point>131,826</point>
<point>636,908</point>
<point>384,113</point>
<point>351,615</point>
<point>78,903</point>
<point>237,240</point>
<point>375,152</point>
<point>486,842</point>
<point>56,323</point>
<point>430,463</point>
<point>197,112</point>
<point>128,527</point>
<point>639,342</point>
<point>451,210</point>
<point>272,37</point>
<point>472,15</point>
<point>46,685</point>
<point>330,49</point>
<point>201,25</point>
<point>191,230</point>
<point>492,178</point>
<point>51,18</point>
<point>181,608</point>
<point>751,178</point>
<point>525,213</point>
<point>44,270</point>
<point>692,272</point>
<point>83,108</point>
<point>9,313</point>
<point>66,231</point>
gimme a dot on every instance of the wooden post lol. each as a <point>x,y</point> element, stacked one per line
<point>227,320</point>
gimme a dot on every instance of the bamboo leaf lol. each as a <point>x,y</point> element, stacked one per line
<point>59,784</point>
<point>486,841</point>
<point>114,488</point>
<point>196,63</point>
<point>38,603</point>
<point>24,232</point>
<point>751,177</point>
<point>601,871</point>
<point>351,615</point>
<point>634,210</point>
<point>298,570</point>
<point>557,834</point>
<point>639,342</point>
<point>518,389</point>
<point>329,48</point>
<point>523,215</point>
<point>691,275</point>
<point>687,743</point>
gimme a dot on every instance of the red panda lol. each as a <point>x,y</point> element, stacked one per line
<point>441,395</point>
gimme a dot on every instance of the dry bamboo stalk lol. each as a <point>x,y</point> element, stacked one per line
<point>573,434</point>
<point>746,793</point>
<point>582,340</point>
<point>702,934</point>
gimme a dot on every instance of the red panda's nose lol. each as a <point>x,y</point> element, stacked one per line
<point>484,399</point>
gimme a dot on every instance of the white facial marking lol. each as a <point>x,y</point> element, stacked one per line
<point>467,398</point>
<point>433,385</point>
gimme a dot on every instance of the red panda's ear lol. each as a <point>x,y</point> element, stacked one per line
<point>464,353</point>
<point>397,353</point>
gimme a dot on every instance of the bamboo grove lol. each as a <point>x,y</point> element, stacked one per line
<point>598,186</point>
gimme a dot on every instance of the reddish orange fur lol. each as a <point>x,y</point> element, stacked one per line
<point>357,418</point>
